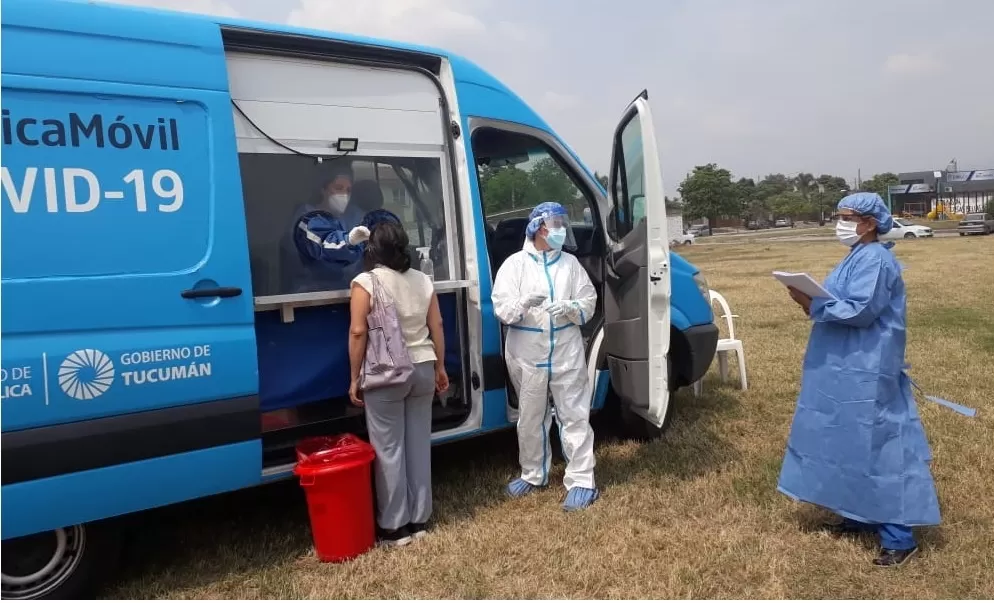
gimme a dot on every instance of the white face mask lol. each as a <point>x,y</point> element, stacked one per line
<point>338,202</point>
<point>846,232</point>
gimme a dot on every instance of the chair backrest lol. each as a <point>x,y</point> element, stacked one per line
<point>715,296</point>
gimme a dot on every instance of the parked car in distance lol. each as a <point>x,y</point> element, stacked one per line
<point>684,239</point>
<point>783,223</point>
<point>698,230</point>
<point>903,229</point>
<point>982,224</point>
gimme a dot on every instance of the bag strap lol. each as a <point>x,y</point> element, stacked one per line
<point>377,288</point>
<point>380,292</point>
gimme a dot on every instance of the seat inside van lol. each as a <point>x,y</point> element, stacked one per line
<point>508,237</point>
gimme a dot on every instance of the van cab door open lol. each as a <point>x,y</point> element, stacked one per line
<point>637,285</point>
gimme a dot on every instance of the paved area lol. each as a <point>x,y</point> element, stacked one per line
<point>799,238</point>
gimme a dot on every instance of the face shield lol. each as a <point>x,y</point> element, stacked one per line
<point>558,232</point>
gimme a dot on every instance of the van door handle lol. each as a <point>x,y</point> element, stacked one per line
<point>213,292</point>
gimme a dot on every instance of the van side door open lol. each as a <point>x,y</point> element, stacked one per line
<point>637,281</point>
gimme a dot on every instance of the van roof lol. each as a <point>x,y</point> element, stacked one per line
<point>34,13</point>
<point>166,27</point>
<point>272,27</point>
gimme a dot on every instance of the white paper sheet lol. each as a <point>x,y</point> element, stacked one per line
<point>803,283</point>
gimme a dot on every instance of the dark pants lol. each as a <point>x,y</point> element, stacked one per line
<point>892,536</point>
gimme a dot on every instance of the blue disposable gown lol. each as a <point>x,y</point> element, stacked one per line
<point>315,253</point>
<point>857,446</point>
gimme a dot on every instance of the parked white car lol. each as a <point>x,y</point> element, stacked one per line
<point>682,239</point>
<point>904,229</point>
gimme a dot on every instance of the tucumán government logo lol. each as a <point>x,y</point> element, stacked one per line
<point>86,374</point>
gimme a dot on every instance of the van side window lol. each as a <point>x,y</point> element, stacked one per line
<point>517,172</point>
<point>628,193</point>
<point>303,194</point>
<point>294,253</point>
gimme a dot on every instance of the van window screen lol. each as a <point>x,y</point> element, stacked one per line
<point>281,189</point>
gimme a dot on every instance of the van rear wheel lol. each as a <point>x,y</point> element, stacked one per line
<point>60,564</point>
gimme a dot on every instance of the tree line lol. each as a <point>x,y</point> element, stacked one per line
<point>708,192</point>
<point>711,192</point>
<point>507,189</point>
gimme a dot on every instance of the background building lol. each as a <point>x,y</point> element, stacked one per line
<point>959,192</point>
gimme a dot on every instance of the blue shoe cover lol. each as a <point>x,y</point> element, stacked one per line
<point>519,487</point>
<point>580,498</point>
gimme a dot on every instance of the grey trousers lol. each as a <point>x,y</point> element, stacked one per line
<point>399,423</point>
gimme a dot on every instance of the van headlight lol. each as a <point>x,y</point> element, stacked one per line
<point>702,286</point>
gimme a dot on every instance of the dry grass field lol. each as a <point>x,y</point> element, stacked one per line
<point>694,515</point>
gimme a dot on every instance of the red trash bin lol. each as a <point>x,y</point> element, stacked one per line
<point>335,474</point>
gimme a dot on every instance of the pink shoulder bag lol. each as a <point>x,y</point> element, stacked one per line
<point>387,360</point>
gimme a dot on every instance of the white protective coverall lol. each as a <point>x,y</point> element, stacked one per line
<point>546,354</point>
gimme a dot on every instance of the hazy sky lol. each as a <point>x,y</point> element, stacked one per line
<point>757,86</point>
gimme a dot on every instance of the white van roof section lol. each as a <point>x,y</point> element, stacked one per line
<point>303,103</point>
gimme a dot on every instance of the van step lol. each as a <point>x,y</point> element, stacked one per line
<point>287,427</point>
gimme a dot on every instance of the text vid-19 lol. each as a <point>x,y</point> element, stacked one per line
<point>82,191</point>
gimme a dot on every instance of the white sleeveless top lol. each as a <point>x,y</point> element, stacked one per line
<point>411,292</point>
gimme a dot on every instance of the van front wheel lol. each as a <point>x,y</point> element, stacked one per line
<point>634,427</point>
<point>61,564</point>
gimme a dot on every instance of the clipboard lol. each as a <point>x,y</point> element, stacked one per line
<point>803,283</point>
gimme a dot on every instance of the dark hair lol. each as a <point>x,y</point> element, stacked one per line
<point>338,169</point>
<point>367,195</point>
<point>387,247</point>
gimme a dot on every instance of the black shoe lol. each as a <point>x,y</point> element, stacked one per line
<point>395,538</point>
<point>893,558</point>
<point>417,530</point>
<point>844,528</point>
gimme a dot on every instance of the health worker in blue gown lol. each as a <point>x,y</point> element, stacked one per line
<point>857,446</point>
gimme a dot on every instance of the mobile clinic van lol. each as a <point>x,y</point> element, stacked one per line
<point>157,343</point>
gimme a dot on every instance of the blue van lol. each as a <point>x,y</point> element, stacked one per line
<point>163,338</point>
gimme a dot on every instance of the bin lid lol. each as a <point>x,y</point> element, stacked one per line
<point>328,453</point>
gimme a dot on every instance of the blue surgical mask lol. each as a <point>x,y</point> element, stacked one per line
<point>556,237</point>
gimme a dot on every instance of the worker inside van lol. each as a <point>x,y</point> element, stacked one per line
<point>317,255</point>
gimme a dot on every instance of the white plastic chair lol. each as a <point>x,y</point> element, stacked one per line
<point>731,344</point>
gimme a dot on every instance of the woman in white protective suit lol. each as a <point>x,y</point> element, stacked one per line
<point>544,295</point>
